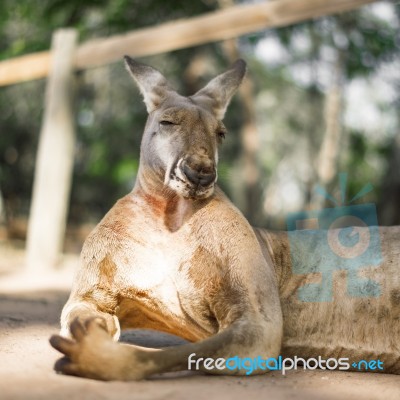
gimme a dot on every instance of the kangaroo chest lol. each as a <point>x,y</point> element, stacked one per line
<point>158,283</point>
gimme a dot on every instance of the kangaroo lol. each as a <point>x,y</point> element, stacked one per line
<point>175,255</point>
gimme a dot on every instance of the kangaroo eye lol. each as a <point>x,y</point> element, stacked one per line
<point>166,123</point>
<point>221,135</point>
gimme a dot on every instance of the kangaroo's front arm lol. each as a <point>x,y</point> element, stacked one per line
<point>216,287</point>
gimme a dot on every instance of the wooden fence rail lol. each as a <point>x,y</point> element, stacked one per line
<point>215,26</point>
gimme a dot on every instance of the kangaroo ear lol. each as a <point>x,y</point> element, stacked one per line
<point>217,94</point>
<point>152,84</point>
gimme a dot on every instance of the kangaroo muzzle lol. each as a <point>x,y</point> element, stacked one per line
<point>193,177</point>
<point>199,172</point>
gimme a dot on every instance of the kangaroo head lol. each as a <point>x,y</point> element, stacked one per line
<point>179,148</point>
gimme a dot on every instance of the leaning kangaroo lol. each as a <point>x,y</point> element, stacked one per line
<point>175,255</point>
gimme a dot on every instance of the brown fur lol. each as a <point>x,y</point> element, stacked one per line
<point>177,256</point>
<point>358,328</point>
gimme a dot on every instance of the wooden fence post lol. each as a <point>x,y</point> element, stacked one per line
<point>54,162</point>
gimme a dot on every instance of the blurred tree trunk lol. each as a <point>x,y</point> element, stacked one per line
<point>250,143</point>
<point>2,209</point>
<point>389,206</point>
<point>327,161</point>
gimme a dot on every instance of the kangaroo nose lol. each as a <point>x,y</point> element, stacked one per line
<point>199,174</point>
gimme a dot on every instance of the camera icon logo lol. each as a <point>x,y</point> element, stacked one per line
<point>339,238</point>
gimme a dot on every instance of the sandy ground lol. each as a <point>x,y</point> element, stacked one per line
<point>29,311</point>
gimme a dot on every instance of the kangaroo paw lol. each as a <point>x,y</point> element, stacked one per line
<point>91,352</point>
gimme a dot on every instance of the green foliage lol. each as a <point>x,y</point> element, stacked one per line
<point>27,25</point>
<point>367,162</point>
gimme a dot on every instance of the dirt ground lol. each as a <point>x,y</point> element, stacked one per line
<point>30,306</point>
